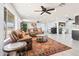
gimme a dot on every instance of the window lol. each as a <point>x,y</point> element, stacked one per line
<point>9,20</point>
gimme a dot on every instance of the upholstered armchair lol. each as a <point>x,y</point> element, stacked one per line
<point>36,30</point>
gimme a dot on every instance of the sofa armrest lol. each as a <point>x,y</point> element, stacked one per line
<point>7,41</point>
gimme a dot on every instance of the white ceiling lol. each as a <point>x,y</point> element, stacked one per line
<point>27,10</point>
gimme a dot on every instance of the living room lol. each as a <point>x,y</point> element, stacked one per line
<point>39,29</point>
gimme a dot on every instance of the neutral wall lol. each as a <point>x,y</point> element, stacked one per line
<point>2,31</point>
<point>14,12</point>
<point>1,27</point>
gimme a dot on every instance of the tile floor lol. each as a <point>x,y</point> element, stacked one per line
<point>67,40</point>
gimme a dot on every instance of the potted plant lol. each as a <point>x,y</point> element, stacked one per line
<point>24,26</point>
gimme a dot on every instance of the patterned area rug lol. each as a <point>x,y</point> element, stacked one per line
<point>45,49</point>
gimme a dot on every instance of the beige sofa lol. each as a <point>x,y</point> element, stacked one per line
<point>36,30</point>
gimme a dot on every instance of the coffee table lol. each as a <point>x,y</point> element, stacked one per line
<point>41,38</point>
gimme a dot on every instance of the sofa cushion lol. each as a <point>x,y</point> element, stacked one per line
<point>36,30</point>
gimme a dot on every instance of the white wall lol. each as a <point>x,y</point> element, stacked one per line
<point>1,27</point>
<point>2,31</point>
<point>13,11</point>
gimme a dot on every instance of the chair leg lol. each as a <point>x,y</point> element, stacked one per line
<point>8,54</point>
<point>20,54</point>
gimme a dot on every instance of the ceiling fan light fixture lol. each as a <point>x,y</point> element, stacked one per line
<point>45,10</point>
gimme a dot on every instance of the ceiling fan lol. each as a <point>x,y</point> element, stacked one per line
<point>45,10</point>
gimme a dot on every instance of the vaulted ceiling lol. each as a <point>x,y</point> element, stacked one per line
<point>26,10</point>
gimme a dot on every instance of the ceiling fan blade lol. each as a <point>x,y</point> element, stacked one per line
<point>41,13</point>
<point>51,9</point>
<point>43,7</point>
<point>48,12</point>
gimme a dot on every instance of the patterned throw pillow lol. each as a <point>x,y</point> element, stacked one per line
<point>13,36</point>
